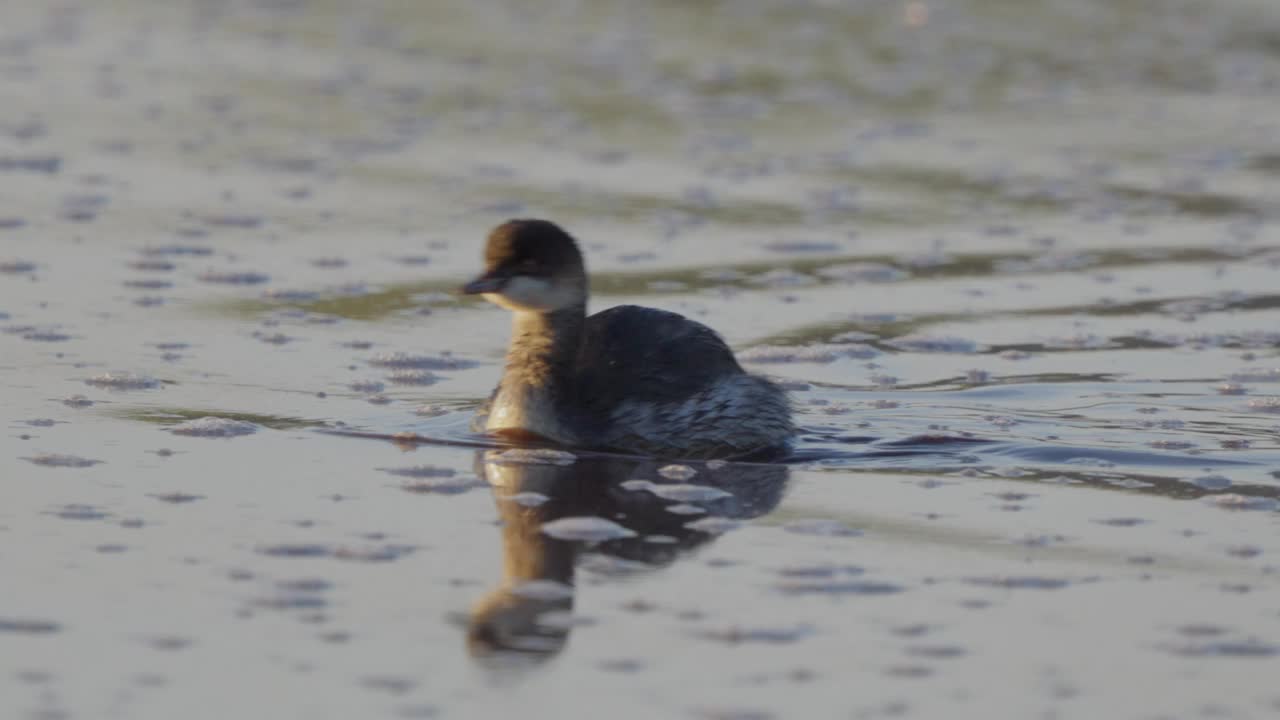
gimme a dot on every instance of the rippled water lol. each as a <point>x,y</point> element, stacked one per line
<point>1017,261</point>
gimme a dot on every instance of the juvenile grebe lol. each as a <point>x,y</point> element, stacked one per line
<point>630,378</point>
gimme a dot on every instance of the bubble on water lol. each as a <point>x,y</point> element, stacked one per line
<point>40,422</point>
<point>1086,461</point>
<point>909,671</point>
<point>148,284</point>
<point>178,250</point>
<point>532,456</point>
<point>16,267</point>
<point>1171,444</point>
<point>733,713</point>
<point>821,528</point>
<point>1083,341</point>
<point>294,550</point>
<point>290,295</point>
<point>854,336</point>
<point>79,511</point>
<point>390,684</point>
<point>782,278</point>
<point>937,652</point>
<point>1257,374</point>
<point>1121,522</point>
<point>838,587</point>
<point>176,498</point>
<point>123,381</point>
<point>713,525</point>
<point>292,601</point>
<point>1231,388</point>
<point>272,338</point>
<point>1236,501</point>
<point>1128,483</point>
<point>413,260</point>
<point>367,386</point>
<point>677,472</point>
<point>1014,355</point>
<point>228,220</point>
<point>46,336</point>
<point>1047,263</point>
<point>632,258</point>
<point>214,427</point>
<point>667,286</point>
<point>770,354</point>
<point>46,164</point>
<point>924,343</point>
<point>152,265</point>
<point>1250,648</point>
<point>407,361</point>
<point>373,553</point>
<point>1026,582</point>
<point>977,377</point>
<point>418,712</point>
<point>802,246</point>
<point>443,485</point>
<point>420,378</point>
<point>229,277</point>
<point>28,626</point>
<point>875,404</point>
<point>856,272</point>
<point>820,571</point>
<point>421,471</point>
<point>620,665</point>
<point>586,529</point>
<point>61,460</point>
<point>1265,405</point>
<point>1211,482</point>
<point>329,263</point>
<point>722,275</point>
<point>527,499</point>
<point>543,590</point>
<point>168,643</point>
<point>1244,551</point>
<point>769,635</point>
<point>687,493</point>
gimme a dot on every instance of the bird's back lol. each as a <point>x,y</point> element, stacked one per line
<point>656,382</point>
<point>632,353</point>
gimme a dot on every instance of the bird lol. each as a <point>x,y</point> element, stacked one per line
<point>628,379</point>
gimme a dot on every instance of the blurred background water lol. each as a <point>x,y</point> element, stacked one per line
<point>1016,259</point>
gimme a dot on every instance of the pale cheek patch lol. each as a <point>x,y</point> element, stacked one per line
<point>524,294</point>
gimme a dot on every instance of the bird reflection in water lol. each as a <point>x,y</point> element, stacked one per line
<point>529,616</point>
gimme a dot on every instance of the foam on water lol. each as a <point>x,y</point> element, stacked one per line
<point>214,427</point>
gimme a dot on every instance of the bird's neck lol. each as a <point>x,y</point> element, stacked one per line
<point>542,349</point>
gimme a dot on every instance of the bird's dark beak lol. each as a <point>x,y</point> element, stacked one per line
<point>489,282</point>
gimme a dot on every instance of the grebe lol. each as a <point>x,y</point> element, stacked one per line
<point>630,379</point>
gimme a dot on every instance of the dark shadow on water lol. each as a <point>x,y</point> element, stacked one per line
<point>528,616</point>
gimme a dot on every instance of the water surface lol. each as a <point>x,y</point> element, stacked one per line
<point>1017,261</point>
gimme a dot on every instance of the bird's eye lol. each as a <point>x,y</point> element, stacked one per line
<point>528,265</point>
